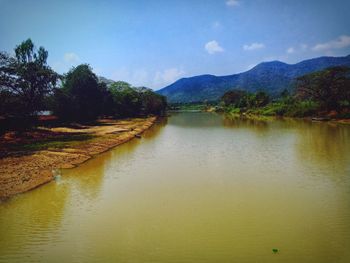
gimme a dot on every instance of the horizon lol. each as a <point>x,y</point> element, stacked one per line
<point>291,64</point>
<point>154,44</point>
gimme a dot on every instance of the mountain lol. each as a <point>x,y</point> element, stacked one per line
<point>108,82</point>
<point>272,77</point>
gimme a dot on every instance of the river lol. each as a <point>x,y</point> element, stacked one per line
<point>197,187</point>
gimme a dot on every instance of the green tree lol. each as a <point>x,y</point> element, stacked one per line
<point>233,97</point>
<point>261,99</point>
<point>25,80</point>
<point>152,102</point>
<point>81,97</point>
<point>107,100</point>
<point>127,101</point>
<point>330,87</point>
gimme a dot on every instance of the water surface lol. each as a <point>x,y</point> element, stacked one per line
<point>198,187</point>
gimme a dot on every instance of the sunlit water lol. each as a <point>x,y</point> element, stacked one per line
<point>198,187</point>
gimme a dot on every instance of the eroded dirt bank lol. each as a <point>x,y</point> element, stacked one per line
<point>26,163</point>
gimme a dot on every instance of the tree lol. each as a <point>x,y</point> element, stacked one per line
<point>152,102</point>
<point>243,99</point>
<point>329,87</point>
<point>285,94</point>
<point>261,99</point>
<point>25,80</point>
<point>127,101</point>
<point>233,97</point>
<point>107,100</point>
<point>81,97</point>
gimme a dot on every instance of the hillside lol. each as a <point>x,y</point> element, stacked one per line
<point>272,77</point>
<point>108,82</point>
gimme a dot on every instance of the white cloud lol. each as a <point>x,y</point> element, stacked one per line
<point>121,74</point>
<point>167,76</point>
<point>142,77</point>
<point>303,47</point>
<point>340,42</point>
<point>232,3</point>
<point>71,57</point>
<point>290,50</point>
<point>297,49</point>
<point>68,60</point>
<point>137,77</point>
<point>213,47</point>
<point>254,46</point>
<point>216,25</point>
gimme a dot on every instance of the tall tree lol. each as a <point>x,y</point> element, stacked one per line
<point>81,97</point>
<point>25,80</point>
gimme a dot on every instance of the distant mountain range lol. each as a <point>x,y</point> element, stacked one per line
<point>272,77</point>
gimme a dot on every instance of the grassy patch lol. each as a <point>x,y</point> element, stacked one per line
<point>232,110</point>
<point>192,107</point>
<point>280,108</point>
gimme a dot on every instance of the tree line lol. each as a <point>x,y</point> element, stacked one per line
<point>29,85</point>
<point>325,92</point>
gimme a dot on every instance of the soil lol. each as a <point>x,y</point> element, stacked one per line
<point>29,159</point>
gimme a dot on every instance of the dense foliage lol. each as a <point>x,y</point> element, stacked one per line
<point>80,98</point>
<point>25,80</point>
<point>330,88</point>
<point>320,93</point>
<point>84,98</point>
<point>243,99</point>
<point>28,85</point>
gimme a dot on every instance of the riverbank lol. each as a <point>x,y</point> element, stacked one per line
<point>30,160</point>
<point>256,117</point>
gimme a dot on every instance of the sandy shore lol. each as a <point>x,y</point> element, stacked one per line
<point>27,164</point>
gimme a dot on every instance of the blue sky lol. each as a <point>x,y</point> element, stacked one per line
<point>153,43</point>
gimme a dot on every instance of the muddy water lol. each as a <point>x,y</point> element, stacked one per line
<point>198,187</point>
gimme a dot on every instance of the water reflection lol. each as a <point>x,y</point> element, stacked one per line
<point>24,221</point>
<point>197,187</point>
<point>325,145</point>
<point>91,178</point>
<point>258,125</point>
<point>195,120</point>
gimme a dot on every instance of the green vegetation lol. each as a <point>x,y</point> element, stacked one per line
<point>81,96</point>
<point>330,88</point>
<point>128,101</point>
<point>245,100</point>
<point>28,85</point>
<point>322,93</point>
<point>25,80</point>
<point>191,106</point>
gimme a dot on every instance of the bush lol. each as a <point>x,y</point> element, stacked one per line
<point>303,109</point>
